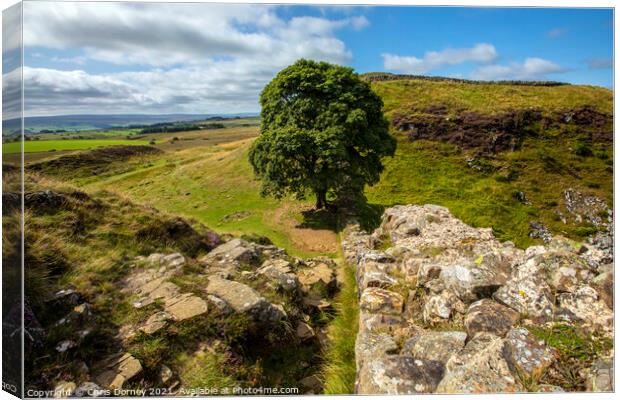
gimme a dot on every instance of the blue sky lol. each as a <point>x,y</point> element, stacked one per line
<point>201,58</point>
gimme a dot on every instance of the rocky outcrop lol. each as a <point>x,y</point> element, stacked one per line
<point>445,307</point>
<point>245,300</point>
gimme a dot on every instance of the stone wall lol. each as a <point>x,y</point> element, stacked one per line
<point>445,308</point>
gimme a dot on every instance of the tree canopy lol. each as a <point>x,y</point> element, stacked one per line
<point>322,131</point>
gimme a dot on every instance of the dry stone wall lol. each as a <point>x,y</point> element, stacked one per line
<point>444,307</point>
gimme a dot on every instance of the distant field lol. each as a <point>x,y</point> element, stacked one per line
<point>49,145</point>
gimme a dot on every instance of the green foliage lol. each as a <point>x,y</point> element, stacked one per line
<point>322,130</point>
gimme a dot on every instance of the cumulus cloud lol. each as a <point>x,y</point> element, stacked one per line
<point>432,60</point>
<point>161,34</point>
<point>197,58</point>
<point>531,69</point>
<point>600,63</point>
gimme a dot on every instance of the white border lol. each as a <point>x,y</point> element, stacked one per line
<point>472,3</point>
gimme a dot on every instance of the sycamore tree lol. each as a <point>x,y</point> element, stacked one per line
<point>322,131</point>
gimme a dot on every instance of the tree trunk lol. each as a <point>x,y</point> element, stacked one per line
<point>321,199</point>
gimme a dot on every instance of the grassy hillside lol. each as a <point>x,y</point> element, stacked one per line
<point>496,155</point>
<point>485,188</point>
<point>202,175</point>
<point>56,145</point>
<point>407,96</point>
<point>88,241</point>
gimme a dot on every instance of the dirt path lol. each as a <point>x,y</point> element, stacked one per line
<point>305,239</point>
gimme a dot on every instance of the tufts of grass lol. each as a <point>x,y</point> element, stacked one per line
<point>572,341</point>
<point>203,370</point>
<point>576,349</point>
<point>338,369</point>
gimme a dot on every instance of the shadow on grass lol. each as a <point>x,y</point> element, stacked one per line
<point>335,218</point>
<point>328,219</point>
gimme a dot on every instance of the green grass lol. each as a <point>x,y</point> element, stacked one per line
<point>424,172</point>
<point>571,341</point>
<point>51,145</point>
<point>203,371</point>
<point>407,95</point>
<point>576,349</point>
<point>548,161</point>
<point>213,185</point>
<point>339,368</point>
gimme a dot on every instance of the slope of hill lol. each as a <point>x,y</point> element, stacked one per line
<point>525,160</point>
<point>501,155</point>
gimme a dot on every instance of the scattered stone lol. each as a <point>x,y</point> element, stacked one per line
<point>583,306</point>
<point>304,331</point>
<point>65,345</point>
<point>530,296</point>
<point>321,273</point>
<point>525,354</point>
<point>396,374</point>
<point>243,299</point>
<point>377,300</point>
<point>373,323</point>
<point>545,388</point>
<point>280,271</point>
<point>435,346</point>
<point>604,286</point>
<point>234,250</point>
<point>165,374</point>
<point>442,306</point>
<point>469,281</point>
<point>174,260</point>
<point>465,277</point>
<point>155,322</point>
<point>117,370</point>
<point>474,346</point>
<point>488,316</point>
<point>564,270</point>
<point>185,306</point>
<point>220,304</point>
<point>539,231</point>
<point>601,376</point>
<point>126,332</point>
<point>312,384</point>
<point>67,296</point>
<point>484,372</point>
<point>313,300</point>
<point>83,312</point>
<point>369,346</point>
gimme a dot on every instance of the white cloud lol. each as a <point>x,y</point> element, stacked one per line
<point>531,69</point>
<point>195,58</point>
<point>432,60</point>
<point>160,34</point>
